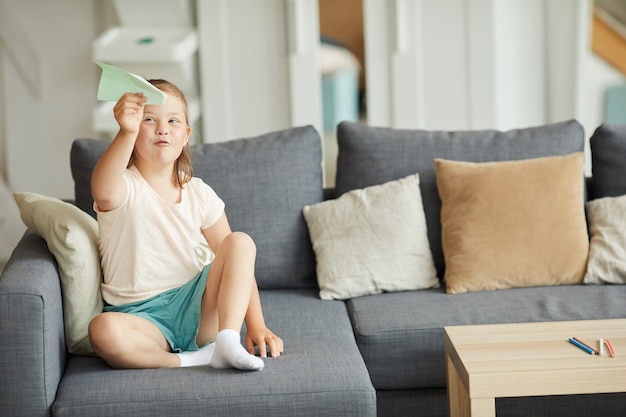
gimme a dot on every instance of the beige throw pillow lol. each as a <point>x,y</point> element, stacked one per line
<point>514,223</point>
<point>607,250</point>
<point>372,240</point>
<point>72,237</point>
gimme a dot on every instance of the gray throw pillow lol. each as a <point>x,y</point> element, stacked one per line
<point>608,147</point>
<point>84,155</point>
<point>265,181</point>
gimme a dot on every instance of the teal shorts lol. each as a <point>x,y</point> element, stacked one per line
<point>175,312</point>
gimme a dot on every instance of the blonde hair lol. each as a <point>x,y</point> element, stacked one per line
<point>183,171</point>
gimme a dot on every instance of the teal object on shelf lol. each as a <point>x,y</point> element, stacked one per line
<point>616,104</point>
<point>340,98</point>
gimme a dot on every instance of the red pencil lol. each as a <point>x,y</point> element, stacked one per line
<point>595,352</point>
<point>608,345</point>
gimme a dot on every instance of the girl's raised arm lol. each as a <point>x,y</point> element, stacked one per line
<point>107,185</point>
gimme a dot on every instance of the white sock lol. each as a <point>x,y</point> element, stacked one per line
<point>197,357</point>
<point>230,353</point>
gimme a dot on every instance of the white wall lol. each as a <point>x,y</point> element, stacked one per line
<point>235,38</point>
<point>520,62</point>
<point>443,49</point>
<point>600,75</point>
<point>259,66</point>
<point>475,64</point>
<point>39,124</point>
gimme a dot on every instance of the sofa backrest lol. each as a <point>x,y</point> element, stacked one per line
<point>265,181</point>
<point>374,155</point>
<point>608,147</point>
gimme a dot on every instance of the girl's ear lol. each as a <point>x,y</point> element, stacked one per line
<point>188,134</point>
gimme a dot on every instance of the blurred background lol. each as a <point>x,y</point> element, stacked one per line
<point>253,66</point>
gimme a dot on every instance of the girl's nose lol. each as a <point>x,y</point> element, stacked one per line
<point>162,129</point>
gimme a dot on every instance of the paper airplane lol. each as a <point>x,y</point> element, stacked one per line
<point>114,82</point>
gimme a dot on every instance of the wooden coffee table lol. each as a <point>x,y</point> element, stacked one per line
<point>485,362</point>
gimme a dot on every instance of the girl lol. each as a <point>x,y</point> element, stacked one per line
<point>164,307</point>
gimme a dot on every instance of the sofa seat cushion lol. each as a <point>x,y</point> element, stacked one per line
<point>401,334</point>
<point>374,155</point>
<point>321,372</point>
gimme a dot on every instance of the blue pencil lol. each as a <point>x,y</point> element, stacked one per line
<point>580,345</point>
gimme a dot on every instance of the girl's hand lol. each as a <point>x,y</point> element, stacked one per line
<point>128,112</point>
<point>264,338</point>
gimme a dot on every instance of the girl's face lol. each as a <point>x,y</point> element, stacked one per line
<point>163,133</point>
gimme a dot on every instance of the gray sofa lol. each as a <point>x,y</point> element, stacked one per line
<point>372,355</point>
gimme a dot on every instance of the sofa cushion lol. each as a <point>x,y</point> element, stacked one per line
<point>401,334</point>
<point>321,373</point>
<point>607,247</point>
<point>265,181</point>
<point>72,237</point>
<point>372,240</point>
<point>373,155</point>
<point>84,154</point>
<point>608,147</point>
<point>513,223</point>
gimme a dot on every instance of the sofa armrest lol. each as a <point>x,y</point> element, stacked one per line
<point>32,339</point>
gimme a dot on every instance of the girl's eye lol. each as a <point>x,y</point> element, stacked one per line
<point>174,121</point>
<point>149,119</point>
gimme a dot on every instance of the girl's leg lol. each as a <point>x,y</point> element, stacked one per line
<point>226,300</point>
<point>127,341</point>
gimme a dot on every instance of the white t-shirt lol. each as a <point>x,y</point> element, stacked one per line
<point>150,245</point>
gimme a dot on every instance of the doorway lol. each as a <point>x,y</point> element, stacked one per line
<point>342,69</point>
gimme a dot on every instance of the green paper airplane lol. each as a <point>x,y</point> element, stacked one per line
<point>114,82</point>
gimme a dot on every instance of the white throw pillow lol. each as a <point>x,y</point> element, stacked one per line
<point>371,241</point>
<point>72,237</point>
<point>607,246</point>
